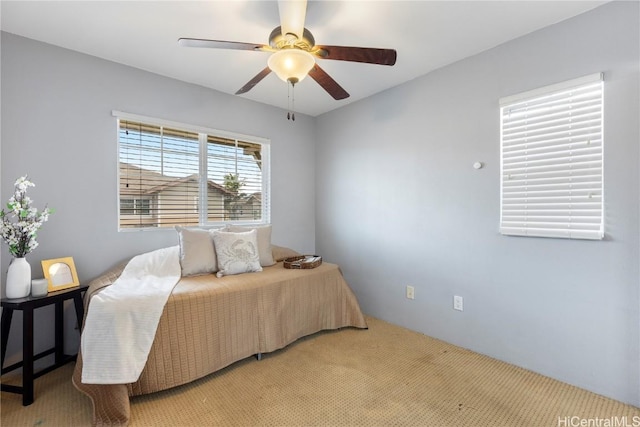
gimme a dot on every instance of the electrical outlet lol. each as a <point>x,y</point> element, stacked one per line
<point>411,292</point>
<point>458,303</point>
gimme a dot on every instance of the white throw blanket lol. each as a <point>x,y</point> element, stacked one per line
<point>122,319</point>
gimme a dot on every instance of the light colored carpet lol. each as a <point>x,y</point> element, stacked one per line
<point>383,376</point>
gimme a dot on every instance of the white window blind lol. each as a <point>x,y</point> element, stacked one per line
<point>172,174</point>
<point>552,161</point>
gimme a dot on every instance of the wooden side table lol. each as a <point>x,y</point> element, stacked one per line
<point>27,305</point>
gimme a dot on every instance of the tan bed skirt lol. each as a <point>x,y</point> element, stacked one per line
<point>210,323</point>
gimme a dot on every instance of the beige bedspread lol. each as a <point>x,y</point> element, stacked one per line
<point>209,323</point>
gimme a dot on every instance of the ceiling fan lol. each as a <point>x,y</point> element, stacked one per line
<point>294,52</point>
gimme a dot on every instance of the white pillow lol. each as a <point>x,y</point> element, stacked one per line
<point>197,255</point>
<point>236,252</point>
<point>264,241</point>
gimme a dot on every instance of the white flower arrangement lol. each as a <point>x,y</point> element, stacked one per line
<point>20,231</point>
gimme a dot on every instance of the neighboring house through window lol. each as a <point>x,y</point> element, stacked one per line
<point>173,174</point>
<point>552,161</point>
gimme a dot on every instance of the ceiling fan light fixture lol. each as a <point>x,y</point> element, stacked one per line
<point>291,65</point>
<point>296,50</point>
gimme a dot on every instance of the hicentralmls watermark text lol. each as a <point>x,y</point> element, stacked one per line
<point>576,421</point>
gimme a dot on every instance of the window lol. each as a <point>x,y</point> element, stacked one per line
<point>172,174</point>
<point>135,206</point>
<point>552,161</point>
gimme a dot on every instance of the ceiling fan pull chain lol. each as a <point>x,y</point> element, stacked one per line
<point>288,102</point>
<point>291,101</point>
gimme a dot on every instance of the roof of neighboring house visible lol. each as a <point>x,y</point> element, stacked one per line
<point>137,180</point>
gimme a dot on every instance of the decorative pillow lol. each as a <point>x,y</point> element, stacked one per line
<point>264,241</point>
<point>197,255</point>
<point>237,252</point>
<point>280,253</point>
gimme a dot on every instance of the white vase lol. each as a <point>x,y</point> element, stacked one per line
<point>18,279</point>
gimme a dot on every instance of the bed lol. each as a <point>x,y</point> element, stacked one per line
<point>210,322</point>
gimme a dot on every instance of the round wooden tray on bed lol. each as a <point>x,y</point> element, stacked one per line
<point>303,262</point>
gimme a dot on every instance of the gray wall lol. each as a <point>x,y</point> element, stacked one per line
<point>399,203</point>
<point>57,127</point>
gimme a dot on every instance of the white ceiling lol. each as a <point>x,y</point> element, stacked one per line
<point>143,34</point>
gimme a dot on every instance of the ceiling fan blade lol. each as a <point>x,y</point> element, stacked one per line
<point>254,81</point>
<point>292,16</point>
<point>221,44</point>
<point>367,55</point>
<point>327,83</point>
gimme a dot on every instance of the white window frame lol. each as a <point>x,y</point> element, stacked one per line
<point>552,161</point>
<point>203,132</point>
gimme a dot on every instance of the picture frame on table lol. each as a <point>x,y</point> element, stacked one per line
<point>60,273</point>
